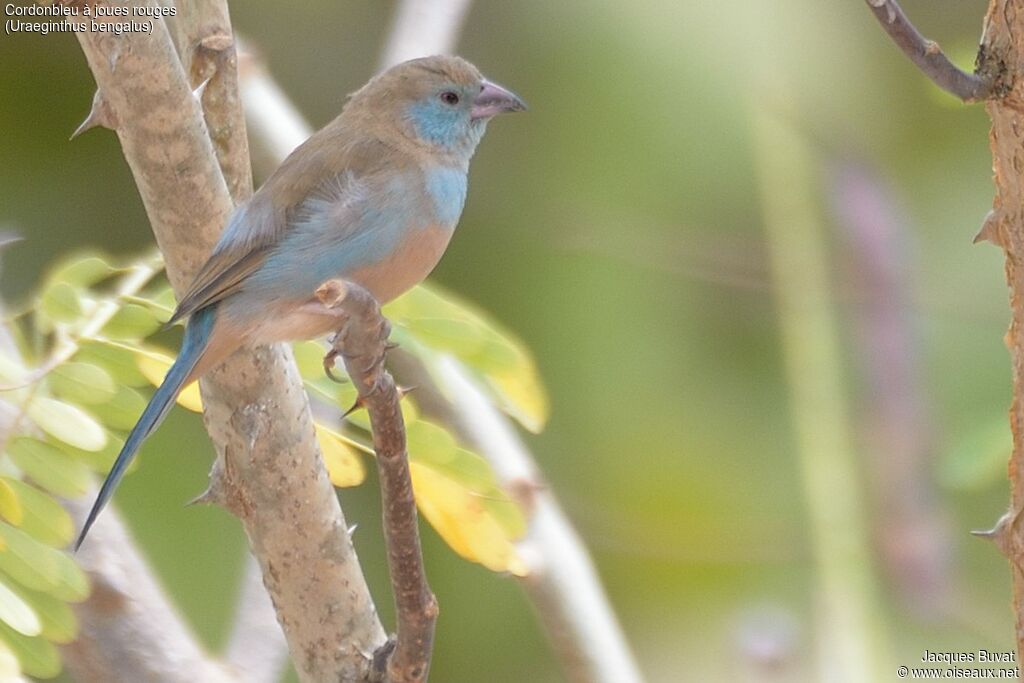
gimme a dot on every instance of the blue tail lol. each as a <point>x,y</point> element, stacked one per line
<point>197,336</point>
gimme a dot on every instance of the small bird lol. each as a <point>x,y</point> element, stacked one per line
<point>372,198</point>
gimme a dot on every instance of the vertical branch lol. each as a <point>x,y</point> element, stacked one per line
<point>422,28</point>
<point>911,525</point>
<point>209,58</point>
<point>270,472</point>
<point>846,591</point>
<point>1003,50</point>
<point>256,650</point>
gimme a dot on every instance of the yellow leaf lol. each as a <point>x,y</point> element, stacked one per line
<point>463,521</point>
<point>441,322</point>
<point>10,506</point>
<point>344,466</point>
<point>522,396</point>
<point>154,366</point>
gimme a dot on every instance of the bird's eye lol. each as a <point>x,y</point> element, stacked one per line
<point>450,98</point>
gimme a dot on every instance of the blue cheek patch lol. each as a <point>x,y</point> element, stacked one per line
<point>437,123</point>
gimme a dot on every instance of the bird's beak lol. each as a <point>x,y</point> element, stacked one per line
<point>493,100</point>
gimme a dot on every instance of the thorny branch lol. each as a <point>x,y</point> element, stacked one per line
<point>362,343</point>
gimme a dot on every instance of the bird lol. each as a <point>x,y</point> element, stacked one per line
<point>373,198</point>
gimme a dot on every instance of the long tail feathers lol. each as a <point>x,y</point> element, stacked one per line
<point>197,337</point>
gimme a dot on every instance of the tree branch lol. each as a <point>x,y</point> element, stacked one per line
<point>561,581</point>
<point>257,650</point>
<point>927,54</point>
<point>209,58</point>
<point>270,472</point>
<point>1004,45</point>
<point>422,28</point>
<point>362,344</point>
<point>129,631</point>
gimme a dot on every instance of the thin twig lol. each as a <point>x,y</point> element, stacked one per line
<point>362,344</point>
<point>927,54</point>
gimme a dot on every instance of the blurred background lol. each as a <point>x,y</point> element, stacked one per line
<point>702,197</point>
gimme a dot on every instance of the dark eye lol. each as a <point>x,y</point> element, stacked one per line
<point>450,98</point>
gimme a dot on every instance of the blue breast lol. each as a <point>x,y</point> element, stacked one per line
<point>446,187</point>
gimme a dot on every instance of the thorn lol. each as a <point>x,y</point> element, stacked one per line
<point>998,533</point>
<point>352,529</point>
<point>218,42</point>
<point>391,346</point>
<point>207,497</point>
<point>355,406</point>
<point>989,231</point>
<point>405,391</point>
<point>99,115</point>
<point>198,92</point>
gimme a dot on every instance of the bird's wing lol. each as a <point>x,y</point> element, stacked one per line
<point>257,226</point>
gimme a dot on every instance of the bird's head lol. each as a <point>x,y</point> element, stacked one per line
<point>441,102</point>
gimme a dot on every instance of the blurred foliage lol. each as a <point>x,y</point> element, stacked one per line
<point>71,408</point>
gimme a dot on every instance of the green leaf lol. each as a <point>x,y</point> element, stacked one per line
<point>37,657</point>
<point>58,620</point>
<point>98,461</point>
<point>67,423</point>
<point>40,567</point>
<point>457,491</point>
<point>10,506</point>
<point>10,669</point>
<point>131,322</point>
<point>43,518</point>
<point>17,613</point>
<point>51,468</point>
<point>439,322</point>
<point>115,359</point>
<point>122,410</point>
<point>82,383</point>
<point>155,365</point>
<point>60,303</point>
<point>82,271</point>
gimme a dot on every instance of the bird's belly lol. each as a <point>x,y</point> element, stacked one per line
<point>402,269</point>
<point>406,266</point>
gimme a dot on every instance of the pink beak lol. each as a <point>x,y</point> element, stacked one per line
<point>493,100</point>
